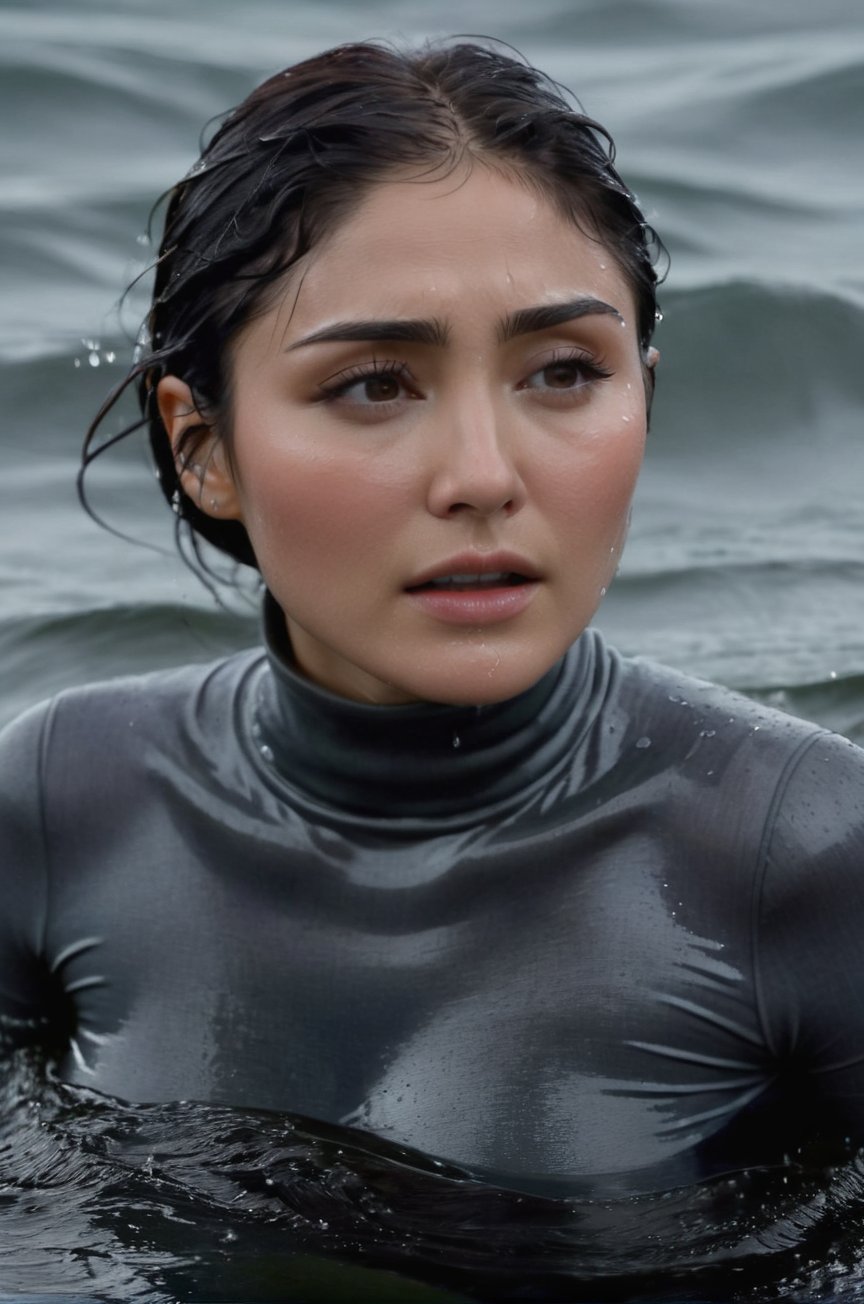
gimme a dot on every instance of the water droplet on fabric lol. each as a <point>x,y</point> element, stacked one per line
<point>643,742</point>
<point>457,741</point>
<point>266,752</point>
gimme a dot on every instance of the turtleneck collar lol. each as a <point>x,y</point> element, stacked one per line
<point>422,760</point>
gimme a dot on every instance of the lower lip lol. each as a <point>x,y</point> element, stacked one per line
<point>475,606</point>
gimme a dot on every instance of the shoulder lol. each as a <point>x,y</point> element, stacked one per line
<point>88,729</point>
<point>679,712</point>
<point>747,771</point>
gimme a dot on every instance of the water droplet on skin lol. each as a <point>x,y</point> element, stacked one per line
<point>643,742</point>
<point>625,418</point>
<point>603,592</point>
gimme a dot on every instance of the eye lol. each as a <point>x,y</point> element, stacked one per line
<point>566,373</point>
<point>375,384</point>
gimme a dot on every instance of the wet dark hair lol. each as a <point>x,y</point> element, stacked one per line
<point>295,158</point>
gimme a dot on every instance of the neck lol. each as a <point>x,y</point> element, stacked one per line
<point>420,761</point>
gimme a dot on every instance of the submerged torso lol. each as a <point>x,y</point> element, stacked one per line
<point>606,934</point>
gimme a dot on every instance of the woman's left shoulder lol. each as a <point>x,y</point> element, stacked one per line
<point>676,704</point>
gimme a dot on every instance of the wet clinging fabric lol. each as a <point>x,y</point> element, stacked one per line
<point>608,934</point>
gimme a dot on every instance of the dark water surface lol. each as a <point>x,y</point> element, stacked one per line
<point>184,1201</point>
<point>740,125</point>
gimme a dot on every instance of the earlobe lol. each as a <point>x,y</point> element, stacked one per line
<point>199,454</point>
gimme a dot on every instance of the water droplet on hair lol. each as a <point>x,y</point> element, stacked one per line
<point>603,591</point>
<point>658,316</point>
<point>643,742</point>
<point>266,752</point>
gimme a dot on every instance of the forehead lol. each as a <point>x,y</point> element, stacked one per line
<point>470,243</point>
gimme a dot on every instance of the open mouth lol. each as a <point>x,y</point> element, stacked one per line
<point>489,580</point>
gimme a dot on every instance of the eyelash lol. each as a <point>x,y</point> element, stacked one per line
<point>337,387</point>
<point>592,368</point>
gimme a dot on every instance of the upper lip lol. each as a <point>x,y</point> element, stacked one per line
<point>476,563</point>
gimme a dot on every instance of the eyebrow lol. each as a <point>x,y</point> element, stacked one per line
<point>526,321</point>
<point>399,328</point>
<point>546,315</point>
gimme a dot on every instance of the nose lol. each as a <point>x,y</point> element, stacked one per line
<point>474,471</point>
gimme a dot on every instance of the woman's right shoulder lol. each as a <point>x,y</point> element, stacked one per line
<point>92,724</point>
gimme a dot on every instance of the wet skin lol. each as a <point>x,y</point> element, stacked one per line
<point>481,437</point>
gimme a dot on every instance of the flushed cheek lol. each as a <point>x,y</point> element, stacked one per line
<point>590,496</point>
<point>318,526</point>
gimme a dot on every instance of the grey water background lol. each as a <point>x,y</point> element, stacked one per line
<point>740,125</point>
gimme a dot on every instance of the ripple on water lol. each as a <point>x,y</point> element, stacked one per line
<point>155,1203</point>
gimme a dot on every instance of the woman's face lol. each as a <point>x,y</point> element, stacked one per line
<point>436,435</point>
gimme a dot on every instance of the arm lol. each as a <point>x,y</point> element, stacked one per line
<point>24,982</point>
<point>810,929</point>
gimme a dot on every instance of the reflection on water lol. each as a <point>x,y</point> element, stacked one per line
<point>186,1202</point>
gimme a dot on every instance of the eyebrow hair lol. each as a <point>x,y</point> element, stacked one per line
<point>432,331</point>
<point>399,328</point>
<point>546,315</point>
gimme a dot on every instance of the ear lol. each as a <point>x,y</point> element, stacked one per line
<point>650,358</point>
<point>199,453</point>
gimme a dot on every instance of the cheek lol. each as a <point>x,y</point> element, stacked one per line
<point>590,490</point>
<point>308,515</point>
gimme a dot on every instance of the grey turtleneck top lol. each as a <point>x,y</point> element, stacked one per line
<point>609,933</point>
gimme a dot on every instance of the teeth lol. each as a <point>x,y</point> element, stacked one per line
<point>473,581</point>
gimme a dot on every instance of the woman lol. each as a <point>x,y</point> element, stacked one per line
<point>439,864</point>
